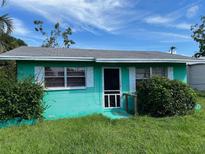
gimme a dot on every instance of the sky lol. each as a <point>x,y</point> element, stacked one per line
<point>145,25</point>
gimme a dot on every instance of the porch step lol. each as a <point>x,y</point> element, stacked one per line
<point>117,114</point>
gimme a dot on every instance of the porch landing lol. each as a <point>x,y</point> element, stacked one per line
<point>116,114</point>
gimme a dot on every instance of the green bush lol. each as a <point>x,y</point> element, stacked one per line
<point>21,99</point>
<point>200,93</point>
<point>163,97</point>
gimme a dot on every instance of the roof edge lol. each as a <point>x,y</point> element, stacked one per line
<point>101,60</point>
<point>47,58</point>
<point>124,60</point>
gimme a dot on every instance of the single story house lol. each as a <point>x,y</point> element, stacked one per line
<point>86,81</point>
<point>196,74</point>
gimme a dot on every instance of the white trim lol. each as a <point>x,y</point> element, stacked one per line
<point>90,77</point>
<point>65,79</point>
<point>132,79</point>
<point>101,60</point>
<point>170,73</point>
<point>44,58</point>
<point>150,72</point>
<point>61,88</point>
<point>120,85</point>
<point>39,75</point>
<point>135,60</point>
<point>196,63</point>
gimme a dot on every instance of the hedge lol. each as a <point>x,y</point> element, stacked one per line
<point>160,97</point>
<point>20,99</point>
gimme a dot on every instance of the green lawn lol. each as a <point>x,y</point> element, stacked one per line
<point>96,134</point>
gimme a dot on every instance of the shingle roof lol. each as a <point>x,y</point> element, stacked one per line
<point>65,54</point>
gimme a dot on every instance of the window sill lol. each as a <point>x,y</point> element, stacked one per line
<point>68,88</point>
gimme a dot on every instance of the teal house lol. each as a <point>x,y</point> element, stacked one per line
<point>80,82</point>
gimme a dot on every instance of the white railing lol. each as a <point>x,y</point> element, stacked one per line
<point>109,94</point>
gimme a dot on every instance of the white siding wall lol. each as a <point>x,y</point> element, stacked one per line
<point>196,76</point>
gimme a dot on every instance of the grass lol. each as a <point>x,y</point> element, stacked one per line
<point>97,134</point>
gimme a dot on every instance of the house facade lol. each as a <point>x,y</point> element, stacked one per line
<point>79,82</point>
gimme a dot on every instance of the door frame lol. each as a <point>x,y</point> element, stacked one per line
<point>120,85</point>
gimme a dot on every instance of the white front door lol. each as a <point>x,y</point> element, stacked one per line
<point>111,87</point>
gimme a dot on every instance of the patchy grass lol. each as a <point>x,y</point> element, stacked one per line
<point>97,134</point>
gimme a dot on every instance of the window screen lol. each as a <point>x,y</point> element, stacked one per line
<point>159,71</point>
<point>58,77</point>
<point>75,77</point>
<point>54,77</point>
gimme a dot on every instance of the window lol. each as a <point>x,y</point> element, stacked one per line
<point>159,71</point>
<point>142,73</point>
<point>75,77</point>
<point>54,77</point>
<point>147,72</point>
<point>60,77</point>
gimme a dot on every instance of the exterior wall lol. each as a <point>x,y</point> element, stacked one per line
<point>71,103</point>
<point>196,76</point>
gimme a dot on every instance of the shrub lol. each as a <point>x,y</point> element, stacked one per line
<point>21,99</point>
<point>163,97</point>
<point>200,93</point>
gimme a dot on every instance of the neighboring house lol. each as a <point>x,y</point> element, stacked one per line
<point>196,75</point>
<point>82,81</point>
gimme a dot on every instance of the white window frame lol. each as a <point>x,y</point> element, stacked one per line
<point>66,78</point>
<point>142,68</point>
<point>66,81</point>
<point>53,77</point>
<point>166,71</point>
<point>151,72</point>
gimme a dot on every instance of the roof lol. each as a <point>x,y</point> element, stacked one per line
<point>96,55</point>
<point>201,62</point>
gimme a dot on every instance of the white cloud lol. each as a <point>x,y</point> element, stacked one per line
<point>174,19</point>
<point>21,31</point>
<point>107,15</point>
<point>173,36</point>
<point>192,11</point>
<point>167,21</point>
<point>158,20</point>
<point>158,36</point>
<point>185,26</point>
<point>19,27</point>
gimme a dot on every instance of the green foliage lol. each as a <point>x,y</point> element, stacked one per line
<point>57,37</point>
<point>9,42</point>
<point>97,134</point>
<point>6,24</point>
<point>21,99</point>
<point>8,70</point>
<point>200,93</point>
<point>199,36</point>
<point>163,97</point>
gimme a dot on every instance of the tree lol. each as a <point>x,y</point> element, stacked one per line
<point>199,36</point>
<point>6,25</point>
<point>10,42</point>
<point>57,37</point>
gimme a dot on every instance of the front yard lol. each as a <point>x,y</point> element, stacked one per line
<point>96,134</point>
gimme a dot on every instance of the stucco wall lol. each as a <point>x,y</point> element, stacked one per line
<point>68,103</point>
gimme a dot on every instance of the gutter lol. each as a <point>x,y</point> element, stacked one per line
<point>124,60</point>
<point>102,60</point>
<point>47,58</point>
